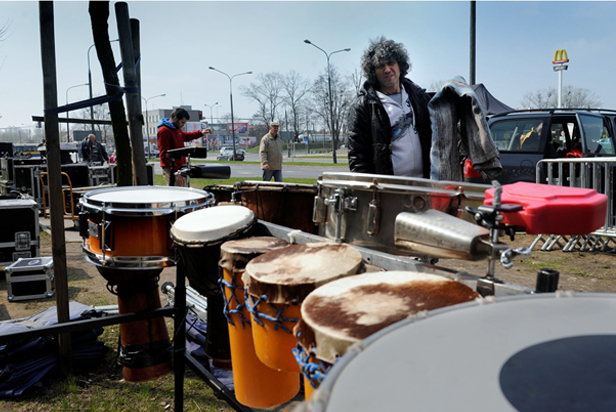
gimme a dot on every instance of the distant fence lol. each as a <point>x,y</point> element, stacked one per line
<point>591,173</point>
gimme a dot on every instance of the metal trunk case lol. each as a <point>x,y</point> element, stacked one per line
<point>30,278</point>
<point>19,237</point>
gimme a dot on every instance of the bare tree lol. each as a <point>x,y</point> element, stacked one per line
<point>101,112</point>
<point>296,88</point>
<point>571,97</point>
<point>3,33</point>
<point>357,79</point>
<point>267,93</point>
<point>340,100</point>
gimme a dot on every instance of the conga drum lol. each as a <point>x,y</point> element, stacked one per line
<point>348,310</point>
<point>276,284</point>
<point>126,235</point>
<point>198,237</point>
<point>256,385</point>
<point>544,352</point>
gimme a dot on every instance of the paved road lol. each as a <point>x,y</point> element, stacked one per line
<point>290,167</point>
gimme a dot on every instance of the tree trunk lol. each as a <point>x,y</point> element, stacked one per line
<point>99,14</point>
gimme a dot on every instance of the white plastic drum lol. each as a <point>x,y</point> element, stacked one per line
<point>532,353</point>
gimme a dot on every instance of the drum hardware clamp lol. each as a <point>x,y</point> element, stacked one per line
<point>489,217</point>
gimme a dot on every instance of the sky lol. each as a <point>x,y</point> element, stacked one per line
<point>515,46</point>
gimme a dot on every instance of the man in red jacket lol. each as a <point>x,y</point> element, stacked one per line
<point>171,136</point>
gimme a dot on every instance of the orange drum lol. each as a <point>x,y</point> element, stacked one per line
<point>128,227</point>
<point>346,311</point>
<point>276,284</point>
<point>256,385</point>
<point>198,237</point>
<point>127,238</point>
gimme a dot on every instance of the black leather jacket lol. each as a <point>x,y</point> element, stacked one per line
<point>370,130</point>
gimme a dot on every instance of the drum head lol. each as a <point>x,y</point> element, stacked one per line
<point>537,353</point>
<point>289,274</point>
<point>212,225</point>
<point>142,199</point>
<point>235,254</point>
<point>348,310</point>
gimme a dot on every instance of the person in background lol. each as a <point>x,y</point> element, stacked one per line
<point>389,123</point>
<point>170,136</point>
<point>93,151</point>
<point>270,152</point>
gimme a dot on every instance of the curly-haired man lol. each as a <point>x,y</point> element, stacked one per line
<point>389,122</point>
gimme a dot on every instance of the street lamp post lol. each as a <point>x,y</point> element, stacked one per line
<point>331,105</point>
<point>67,112</point>
<point>147,123</point>
<point>90,83</point>
<point>231,97</point>
<point>211,118</point>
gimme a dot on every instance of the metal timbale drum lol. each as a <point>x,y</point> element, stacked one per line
<point>548,352</point>
<point>348,310</point>
<point>361,209</point>
<point>128,227</point>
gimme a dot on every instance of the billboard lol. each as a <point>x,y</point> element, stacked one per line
<point>239,127</point>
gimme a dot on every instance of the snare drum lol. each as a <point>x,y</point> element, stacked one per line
<point>128,227</point>
<point>198,237</point>
<point>256,385</point>
<point>361,209</point>
<point>285,204</point>
<point>547,352</point>
<point>348,310</point>
<point>276,284</point>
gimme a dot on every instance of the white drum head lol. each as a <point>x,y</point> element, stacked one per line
<point>211,225</point>
<point>536,353</point>
<point>140,198</point>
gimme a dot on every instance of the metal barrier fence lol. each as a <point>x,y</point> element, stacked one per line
<point>592,173</point>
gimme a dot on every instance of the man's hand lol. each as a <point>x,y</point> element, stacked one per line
<point>206,131</point>
<point>266,167</point>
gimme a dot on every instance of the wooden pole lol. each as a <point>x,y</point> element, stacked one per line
<point>52,139</point>
<point>132,98</point>
<point>99,14</point>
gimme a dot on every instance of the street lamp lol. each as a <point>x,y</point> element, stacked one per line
<point>67,112</point>
<point>90,83</point>
<point>210,106</point>
<point>231,96</point>
<point>147,123</point>
<point>331,105</point>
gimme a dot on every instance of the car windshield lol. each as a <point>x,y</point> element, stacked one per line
<point>517,135</point>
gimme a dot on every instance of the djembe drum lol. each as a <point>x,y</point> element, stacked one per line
<point>198,237</point>
<point>256,385</point>
<point>278,281</point>
<point>126,235</point>
<point>348,310</point>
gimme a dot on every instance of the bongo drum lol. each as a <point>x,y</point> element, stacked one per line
<point>198,237</point>
<point>546,352</point>
<point>278,281</point>
<point>127,237</point>
<point>348,310</point>
<point>256,385</point>
<point>128,227</point>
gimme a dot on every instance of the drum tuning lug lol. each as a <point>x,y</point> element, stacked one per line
<point>486,285</point>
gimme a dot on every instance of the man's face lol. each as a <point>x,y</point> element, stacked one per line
<point>178,123</point>
<point>92,138</point>
<point>274,130</point>
<point>388,73</point>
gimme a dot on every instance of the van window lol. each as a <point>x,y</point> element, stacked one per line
<point>596,136</point>
<point>522,135</point>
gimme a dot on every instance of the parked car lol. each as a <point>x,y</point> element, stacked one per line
<point>226,153</point>
<point>524,137</point>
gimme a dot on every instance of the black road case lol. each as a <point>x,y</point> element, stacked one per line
<point>30,279</point>
<point>19,237</point>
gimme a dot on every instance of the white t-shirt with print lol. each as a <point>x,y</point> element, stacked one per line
<point>405,144</point>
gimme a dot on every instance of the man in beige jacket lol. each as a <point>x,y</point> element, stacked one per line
<point>270,152</point>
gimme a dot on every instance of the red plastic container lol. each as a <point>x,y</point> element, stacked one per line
<point>555,210</point>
